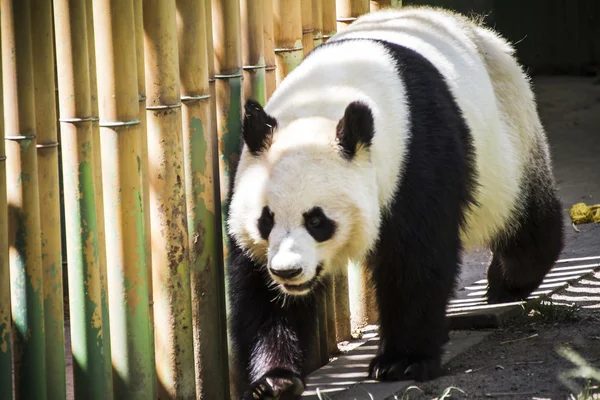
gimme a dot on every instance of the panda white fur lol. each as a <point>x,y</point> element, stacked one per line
<point>404,139</point>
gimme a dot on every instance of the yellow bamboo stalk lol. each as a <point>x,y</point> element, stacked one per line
<point>307,26</point>
<point>268,37</point>
<point>342,308</point>
<point>253,50</point>
<point>289,51</point>
<point>198,144</point>
<point>331,326</point>
<point>317,19</point>
<point>349,10</point>
<point>329,19</point>
<point>174,346</point>
<point>47,150</point>
<point>377,5</point>
<point>131,339</point>
<point>26,272</point>
<point>97,161</point>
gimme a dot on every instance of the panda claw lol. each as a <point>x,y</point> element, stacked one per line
<point>275,387</point>
<point>401,368</point>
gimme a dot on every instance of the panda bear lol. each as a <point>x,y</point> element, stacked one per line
<point>404,140</point>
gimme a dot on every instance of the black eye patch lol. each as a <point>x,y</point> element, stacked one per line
<point>318,225</point>
<point>266,221</point>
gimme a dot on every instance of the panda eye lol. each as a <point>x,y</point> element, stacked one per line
<point>314,222</point>
<point>318,225</point>
<point>266,221</point>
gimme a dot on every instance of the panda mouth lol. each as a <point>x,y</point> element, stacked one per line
<point>306,286</point>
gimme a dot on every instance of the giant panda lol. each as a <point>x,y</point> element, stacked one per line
<point>405,139</point>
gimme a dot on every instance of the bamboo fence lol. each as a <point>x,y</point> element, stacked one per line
<point>47,151</point>
<point>26,275</point>
<point>130,329</point>
<point>150,98</point>
<point>198,145</point>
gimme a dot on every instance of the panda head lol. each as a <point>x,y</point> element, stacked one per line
<point>304,199</point>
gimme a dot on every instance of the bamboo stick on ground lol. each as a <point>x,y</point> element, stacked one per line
<point>97,162</point>
<point>85,303</point>
<point>349,10</point>
<point>47,150</point>
<point>329,19</point>
<point>268,37</point>
<point>26,273</point>
<point>131,340</point>
<point>6,384</point>
<point>287,23</point>
<point>317,19</point>
<point>198,145</point>
<point>174,347</point>
<point>307,26</point>
<point>138,8</point>
<point>253,50</point>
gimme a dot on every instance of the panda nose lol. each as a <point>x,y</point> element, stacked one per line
<point>286,273</point>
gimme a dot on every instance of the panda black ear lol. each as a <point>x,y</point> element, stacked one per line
<point>257,127</point>
<point>356,127</point>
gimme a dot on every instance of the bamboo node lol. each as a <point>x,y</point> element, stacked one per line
<point>119,124</point>
<point>186,99</point>
<point>17,138</point>
<point>163,107</point>
<point>142,97</point>
<point>326,37</point>
<point>270,68</point>
<point>2,158</point>
<point>308,30</point>
<point>46,145</point>
<point>228,76</point>
<point>349,19</point>
<point>78,120</point>
<point>288,49</point>
<point>253,67</point>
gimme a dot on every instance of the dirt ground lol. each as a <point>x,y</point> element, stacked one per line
<point>521,361</point>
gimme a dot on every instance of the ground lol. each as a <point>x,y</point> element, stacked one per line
<point>520,360</point>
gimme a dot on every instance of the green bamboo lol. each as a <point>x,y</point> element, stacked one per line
<point>6,389</point>
<point>174,347</point>
<point>138,7</point>
<point>130,329</point>
<point>198,145</point>
<point>216,162</point>
<point>85,293</point>
<point>47,149</point>
<point>97,167</point>
<point>26,272</point>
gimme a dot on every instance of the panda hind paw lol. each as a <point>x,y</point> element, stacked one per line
<point>275,385</point>
<point>386,368</point>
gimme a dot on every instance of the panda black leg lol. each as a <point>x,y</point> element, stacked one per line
<point>522,259</point>
<point>269,338</point>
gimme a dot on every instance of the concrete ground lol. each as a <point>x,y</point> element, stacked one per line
<point>570,111</point>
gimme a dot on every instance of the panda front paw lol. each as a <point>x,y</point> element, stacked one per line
<point>275,385</point>
<point>395,368</point>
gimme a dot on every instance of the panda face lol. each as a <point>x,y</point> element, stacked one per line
<point>304,198</point>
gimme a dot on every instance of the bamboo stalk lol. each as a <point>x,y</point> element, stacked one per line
<point>361,294</point>
<point>6,384</point>
<point>342,308</point>
<point>47,151</point>
<point>97,163</point>
<point>317,19</point>
<point>174,348</point>
<point>131,339</point>
<point>329,19</point>
<point>228,97</point>
<point>23,201</point>
<point>253,59</point>
<point>349,10</point>
<point>307,26</point>
<point>268,36</point>
<point>323,335</point>
<point>138,8</point>
<point>198,145</point>
<point>331,327</point>
<point>289,51</point>
<point>216,162</point>
<point>85,302</point>
<point>380,4</point>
